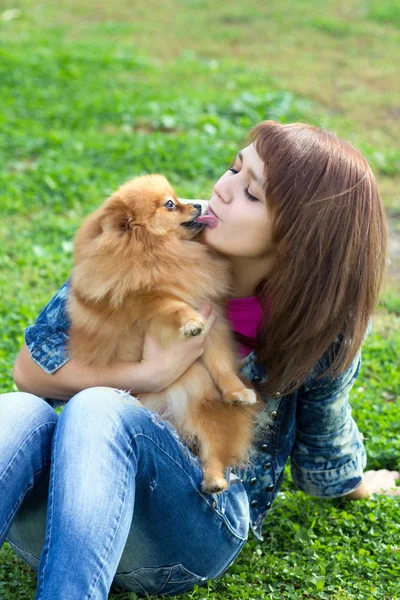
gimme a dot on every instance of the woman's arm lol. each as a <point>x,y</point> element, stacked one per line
<point>74,377</point>
<point>44,367</point>
<point>328,457</point>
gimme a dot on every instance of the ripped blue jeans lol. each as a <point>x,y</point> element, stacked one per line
<point>106,493</point>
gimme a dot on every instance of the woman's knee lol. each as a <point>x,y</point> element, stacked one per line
<point>103,399</point>
<point>22,410</point>
<point>104,409</point>
<point>27,428</point>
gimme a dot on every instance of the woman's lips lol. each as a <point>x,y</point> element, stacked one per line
<point>209,218</point>
<point>210,211</point>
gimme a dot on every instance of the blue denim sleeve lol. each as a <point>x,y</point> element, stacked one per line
<point>47,338</point>
<point>328,457</point>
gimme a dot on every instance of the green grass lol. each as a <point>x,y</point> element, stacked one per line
<point>94,93</point>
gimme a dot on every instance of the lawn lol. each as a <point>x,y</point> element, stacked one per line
<point>93,93</point>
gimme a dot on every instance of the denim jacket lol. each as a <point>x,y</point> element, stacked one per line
<point>313,427</point>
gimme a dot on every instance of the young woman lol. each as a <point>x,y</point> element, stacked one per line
<point>107,492</point>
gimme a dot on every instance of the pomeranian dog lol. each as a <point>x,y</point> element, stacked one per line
<point>138,267</point>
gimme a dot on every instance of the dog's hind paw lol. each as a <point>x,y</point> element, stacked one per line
<point>192,328</point>
<point>214,486</point>
<point>245,396</point>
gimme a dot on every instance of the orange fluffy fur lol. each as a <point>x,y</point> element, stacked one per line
<point>138,268</point>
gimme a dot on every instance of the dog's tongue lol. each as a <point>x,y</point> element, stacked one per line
<point>209,220</point>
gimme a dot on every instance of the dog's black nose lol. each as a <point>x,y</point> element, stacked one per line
<point>198,206</point>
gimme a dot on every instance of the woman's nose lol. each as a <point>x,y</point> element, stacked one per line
<point>222,190</point>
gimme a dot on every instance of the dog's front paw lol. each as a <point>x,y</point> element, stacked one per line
<point>244,396</point>
<point>193,327</point>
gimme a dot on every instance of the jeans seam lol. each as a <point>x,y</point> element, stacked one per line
<point>104,561</point>
<point>19,503</point>
<point>45,551</point>
<point>22,444</point>
<point>221,517</point>
<point>22,550</point>
<point>116,528</point>
<point>232,560</point>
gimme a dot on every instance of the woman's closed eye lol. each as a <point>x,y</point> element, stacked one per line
<point>250,196</point>
<point>246,190</point>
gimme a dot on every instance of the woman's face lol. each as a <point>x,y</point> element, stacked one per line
<point>238,200</point>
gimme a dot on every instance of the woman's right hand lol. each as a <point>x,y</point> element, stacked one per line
<point>165,366</point>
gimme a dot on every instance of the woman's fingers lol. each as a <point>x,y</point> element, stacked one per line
<point>205,309</point>
<point>383,482</point>
<point>207,312</point>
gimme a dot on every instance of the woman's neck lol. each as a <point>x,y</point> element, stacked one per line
<point>248,271</point>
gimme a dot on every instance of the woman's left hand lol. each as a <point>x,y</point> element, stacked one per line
<point>382,482</point>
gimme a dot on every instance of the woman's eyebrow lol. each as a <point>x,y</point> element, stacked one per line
<point>252,174</point>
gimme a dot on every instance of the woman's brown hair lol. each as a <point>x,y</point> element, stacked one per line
<point>330,231</point>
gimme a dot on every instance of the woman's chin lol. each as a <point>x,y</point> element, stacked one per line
<point>208,235</point>
<point>213,241</point>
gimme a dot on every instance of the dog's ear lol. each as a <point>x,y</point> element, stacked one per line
<point>117,217</point>
<point>120,218</point>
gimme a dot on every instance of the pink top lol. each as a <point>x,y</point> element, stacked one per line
<point>244,315</point>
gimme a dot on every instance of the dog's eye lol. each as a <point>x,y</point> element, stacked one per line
<point>170,205</point>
